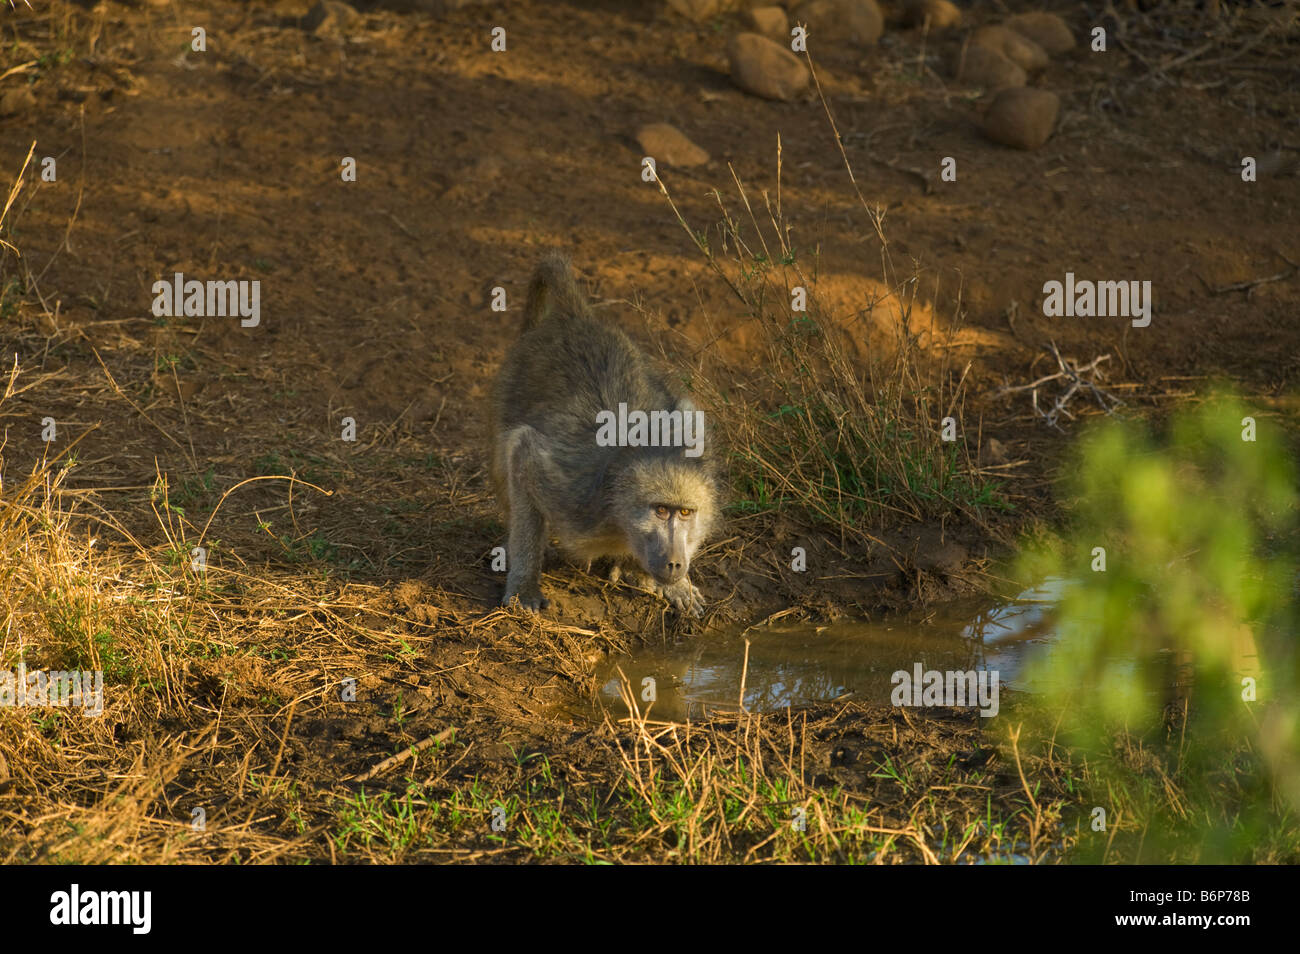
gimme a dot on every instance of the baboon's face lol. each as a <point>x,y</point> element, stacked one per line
<point>669,518</point>
<point>665,539</point>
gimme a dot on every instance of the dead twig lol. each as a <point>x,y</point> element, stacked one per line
<point>1081,378</point>
<point>1250,286</point>
<point>403,755</point>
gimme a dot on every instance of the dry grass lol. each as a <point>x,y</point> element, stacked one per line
<point>853,444</point>
<point>222,685</point>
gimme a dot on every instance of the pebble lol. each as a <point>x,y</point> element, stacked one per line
<point>979,66</point>
<point>942,14</point>
<point>1016,47</point>
<point>769,21</point>
<point>330,18</point>
<point>1023,118</point>
<point>20,99</point>
<point>765,68</point>
<point>668,145</point>
<point>1046,29</point>
<point>860,22</point>
<point>697,11</point>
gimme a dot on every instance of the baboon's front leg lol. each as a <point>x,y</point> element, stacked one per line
<point>526,463</point>
<point>684,595</point>
<point>524,554</point>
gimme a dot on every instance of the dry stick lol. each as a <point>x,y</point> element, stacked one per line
<point>1035,825</point>
<point>744,197</point>
<point>292,480</point>
<point>1074,375</point>
<point>284,737</point>
<point>875,215</point>
<point>21,67</point>
<point>699,244</point>
<point>1091,366</point>
<point>778,188</point>
<point>743,673</point>
<point>81,191</point>
<point>1014,735</point>
<point>184,414</point>
<point>9,387</point>
<point>435,779</point>
<point>1097,392</point>
<point>839,142</point>
<point>13,194</point>
<point>1250,286</point>
<point>139,410</point>
<point>403,755</point>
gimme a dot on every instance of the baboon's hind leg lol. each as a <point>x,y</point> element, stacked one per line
<point>527,463</point>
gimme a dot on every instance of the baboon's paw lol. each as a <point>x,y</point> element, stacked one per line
<point>531,600</point>
<point>684,596</point>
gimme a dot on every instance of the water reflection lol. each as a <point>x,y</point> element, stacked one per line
<point>799,665</point>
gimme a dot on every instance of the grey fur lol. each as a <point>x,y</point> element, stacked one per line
<point>553,478</point>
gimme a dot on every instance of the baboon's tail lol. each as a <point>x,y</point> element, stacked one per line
<point>552,288</point>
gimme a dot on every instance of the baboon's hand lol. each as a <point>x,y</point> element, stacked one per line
<point>530,599</point>
<point>683,595</point>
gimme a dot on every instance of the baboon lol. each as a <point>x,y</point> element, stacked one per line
<point>642,506</point>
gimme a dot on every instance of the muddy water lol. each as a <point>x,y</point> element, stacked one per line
<point>798,665</point>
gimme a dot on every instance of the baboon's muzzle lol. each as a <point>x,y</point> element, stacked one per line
<point>670,572</point>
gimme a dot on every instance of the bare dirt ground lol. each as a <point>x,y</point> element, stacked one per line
<point>376,305</point>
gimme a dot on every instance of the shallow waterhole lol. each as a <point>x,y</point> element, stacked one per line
<point>792,666</point>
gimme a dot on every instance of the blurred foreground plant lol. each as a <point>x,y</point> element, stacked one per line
<point>1176,678</point>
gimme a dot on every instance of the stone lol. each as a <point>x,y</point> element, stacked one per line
<point>1046,29</point>
<point>771,22</point>
<point>941,557</point>
<point>697,11</point>
<point>330,18</point>
<point>995,451</point>
<point>942,14</point>
<point>668,145</point>
<point>859,22</point>
<point>1023,118</point>
<point>436,7</point>
<point>1016,47</point>
<point>765,68</point>
<point>19,99</point>
<point>979,66</point>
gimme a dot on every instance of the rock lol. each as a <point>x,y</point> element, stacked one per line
<point>436,7</point>
<point>765,68</point>
<point>1046,29</point>
<point>1022,118</point>
<point>941,14</point>
<point>995,451</point>
<point>769,21</point>
<point>1016,47</point>
<point>858,21</point>
<point>330,18</point>
<point>697,11</point>
<point>475,180</point>
<point>979,66</point>
<point>934,552</point>
<point>668,145</point>
<point>20,99</point>
<point>946,558</point>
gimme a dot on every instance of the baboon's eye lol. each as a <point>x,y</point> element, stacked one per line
<point>685,511</point>
<point>662,512</point>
